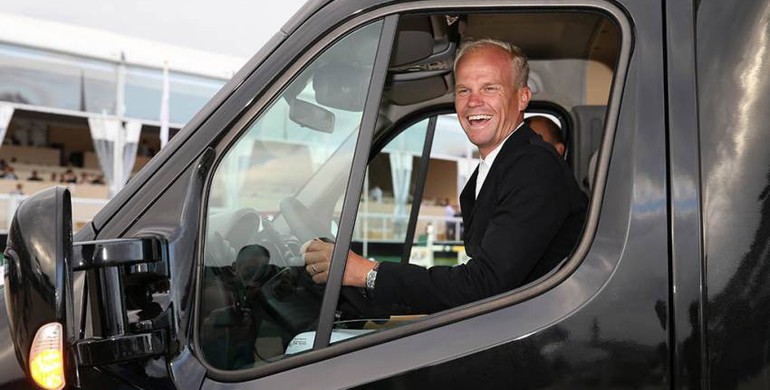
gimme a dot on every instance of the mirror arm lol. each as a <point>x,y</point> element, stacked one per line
<point>140,251</point>
<point>108,262</point>
<point>92,352</point>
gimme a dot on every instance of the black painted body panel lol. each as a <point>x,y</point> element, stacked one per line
<point>734,98</point>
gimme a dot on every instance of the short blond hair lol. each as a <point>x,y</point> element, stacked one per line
<point>519,61</point>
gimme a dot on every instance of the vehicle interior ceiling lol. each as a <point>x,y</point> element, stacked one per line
<point>572,57</point>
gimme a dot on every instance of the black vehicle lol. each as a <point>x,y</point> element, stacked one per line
<point>190,278</point>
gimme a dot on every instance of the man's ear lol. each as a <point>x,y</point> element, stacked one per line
<point>560,149</point>
<point>524,95</point>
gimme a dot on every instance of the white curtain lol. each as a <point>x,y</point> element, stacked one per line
<point>131,143</point>
<point>401,170</point>
<point>115,147</point>
<point>6,113</point>
<point>164,108</point>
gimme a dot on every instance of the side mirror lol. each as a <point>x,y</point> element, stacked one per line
<point>41,259</point>
<point>37,289</point>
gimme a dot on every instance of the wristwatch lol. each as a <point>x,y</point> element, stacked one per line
<point>371,277</point>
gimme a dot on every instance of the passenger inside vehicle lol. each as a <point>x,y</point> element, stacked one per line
<point>549,131</point>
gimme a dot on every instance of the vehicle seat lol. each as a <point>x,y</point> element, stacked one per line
<point>587,137</point>
<point>592,170</point>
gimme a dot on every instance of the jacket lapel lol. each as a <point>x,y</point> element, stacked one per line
<point>468,200</point>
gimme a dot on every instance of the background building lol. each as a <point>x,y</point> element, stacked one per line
<point>87,108</point>
<point>82,107</point>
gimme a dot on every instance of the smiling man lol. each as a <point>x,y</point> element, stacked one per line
<point>522,208</point>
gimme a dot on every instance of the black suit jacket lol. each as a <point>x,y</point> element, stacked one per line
<point>527,218</point>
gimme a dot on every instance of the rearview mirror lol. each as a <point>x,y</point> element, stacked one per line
<point>311,116</point>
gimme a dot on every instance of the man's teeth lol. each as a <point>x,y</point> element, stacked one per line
<point>479,117</point>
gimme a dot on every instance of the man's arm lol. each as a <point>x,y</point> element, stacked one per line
<point>532,205</point>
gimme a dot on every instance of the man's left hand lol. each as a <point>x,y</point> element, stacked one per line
<point>318,254</point>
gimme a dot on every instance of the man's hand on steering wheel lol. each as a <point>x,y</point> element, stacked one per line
<point>317,255</point>
<point>305,225</point>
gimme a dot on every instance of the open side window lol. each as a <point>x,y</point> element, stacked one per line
<point>409,211</point>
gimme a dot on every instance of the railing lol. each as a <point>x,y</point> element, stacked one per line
<point>388,227</point>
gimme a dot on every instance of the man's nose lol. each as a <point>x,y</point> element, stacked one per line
<point>474,100</point>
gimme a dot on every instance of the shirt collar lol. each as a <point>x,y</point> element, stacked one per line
<point>493,154</point>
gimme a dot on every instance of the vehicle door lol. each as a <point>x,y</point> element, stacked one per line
<point>283,160</point>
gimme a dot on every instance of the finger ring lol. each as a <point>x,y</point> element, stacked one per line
<point>312,266</point>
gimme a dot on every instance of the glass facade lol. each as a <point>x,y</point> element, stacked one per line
<point>187,93</point>
<point>35,77</point>
<point>49,79</point>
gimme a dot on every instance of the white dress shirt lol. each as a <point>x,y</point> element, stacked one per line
<point>485,164</point>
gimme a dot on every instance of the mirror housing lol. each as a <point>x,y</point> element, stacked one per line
<point>38,251</point>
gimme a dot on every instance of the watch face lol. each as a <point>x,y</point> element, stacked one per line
<point>370,277</point>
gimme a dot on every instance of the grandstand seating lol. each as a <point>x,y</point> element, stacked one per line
<point>85,190</point>
<point>31,154</point>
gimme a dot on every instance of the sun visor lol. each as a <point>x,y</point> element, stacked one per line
<point>419,48</point>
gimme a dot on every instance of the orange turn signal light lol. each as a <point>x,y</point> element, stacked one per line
<point>46,357</point>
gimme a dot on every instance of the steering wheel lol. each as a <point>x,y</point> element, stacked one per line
<point>305,225</point>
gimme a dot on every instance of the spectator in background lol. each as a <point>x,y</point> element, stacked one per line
<point>69,177</point>
<point>85,178</point>
<point>34,176</point>
<point>19,190</point>
<point>98,180</point>
<point>9,173</point>
<point>376,194</point>
<point>449,213</point>
<point>54,177</point>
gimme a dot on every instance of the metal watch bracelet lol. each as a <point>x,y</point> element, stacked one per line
<point>371,276</point>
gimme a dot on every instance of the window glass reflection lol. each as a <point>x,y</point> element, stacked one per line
<point>278,186</point>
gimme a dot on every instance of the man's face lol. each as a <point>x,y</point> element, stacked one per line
<point>488,104</point>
